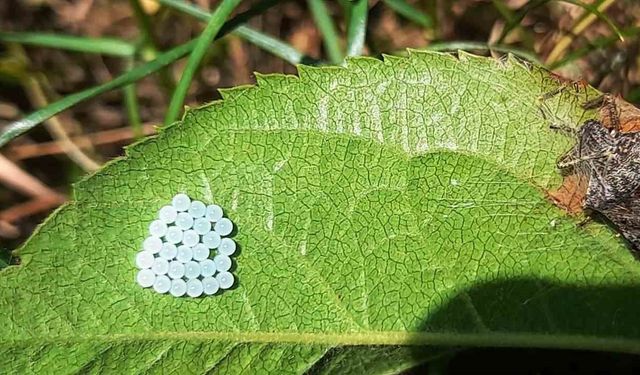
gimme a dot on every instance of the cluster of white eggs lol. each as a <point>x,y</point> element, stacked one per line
<point>176,256</point>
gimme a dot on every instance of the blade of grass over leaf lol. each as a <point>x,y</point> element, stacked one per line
<point>260,39</point>
<point>104,46</point>
<point>204,41</point>
<point>470,45</point>
<point>410,12</point>
<point>19,127</point>
<point>357,27</point>
<point>327,29</point>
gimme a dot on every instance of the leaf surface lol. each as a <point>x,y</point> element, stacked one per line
<point>388,203</point>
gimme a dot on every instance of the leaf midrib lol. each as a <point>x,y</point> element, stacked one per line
<point>490,338</point>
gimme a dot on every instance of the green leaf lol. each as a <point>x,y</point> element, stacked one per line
<point>397,202</point>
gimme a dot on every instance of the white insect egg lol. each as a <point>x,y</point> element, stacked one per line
<point>200,252</point>
<point>175,257</point>
<point>174,235</point>
<point>227,246</point>
<point>162,284</point>
<point>168,214</point>
<point>202,226</point>
<point>191,270</point>
<point>181,202</point>
<point>168,251</point>
<point>223,262</point>
<point>144,259</point>
<point>184,221</point>
<point>210,285</point>
<point>146,278</point>
<point>194,288</point>
<point>160,266</point>
<point>157,228</point>
<point>178,288</point>
<point>214,212</point>
<point>190,238</point>
<point>176,269</point>
<point>152,244</point>
<point>185,254</point>
<point>225,280</point>
<point>211,240</point>
<point>207,268</point>
<point>197,209</point>
<point>223,227</point>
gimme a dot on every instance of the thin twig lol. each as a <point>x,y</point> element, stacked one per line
<point>33,88</point>
<point>43,197</point>
<point>31,207</point>
<point>27,151</point>
<point>54,126</point>
<point>15,178</point>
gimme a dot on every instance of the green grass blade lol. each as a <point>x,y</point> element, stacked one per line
<point>204,41</point>
<point>357,27</point>
<point>410,12</point>
<point>469,45</point>
<point>186,8</point>
<point>16,128</point>
<point>274,46</point>
<point>105,46</point>
<point>131,104</point>
<point>133,113</point>
<point>504,10</point>
<point>327,29</point>
<point>268,43</point>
